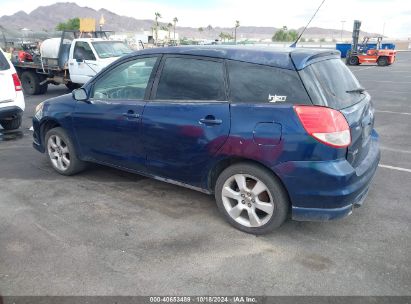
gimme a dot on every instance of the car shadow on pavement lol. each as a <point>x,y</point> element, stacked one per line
<point>10,135</point>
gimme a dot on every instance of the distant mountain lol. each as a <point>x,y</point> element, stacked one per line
<point>45,18</point>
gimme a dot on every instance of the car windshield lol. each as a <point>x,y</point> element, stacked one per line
<point>106,49</point>
<point>330,83</point>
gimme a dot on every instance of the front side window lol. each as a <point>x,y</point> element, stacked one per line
<point>83,51</point>
<point>191,79</point>
<point>129,80</point>
<point>254,83</point>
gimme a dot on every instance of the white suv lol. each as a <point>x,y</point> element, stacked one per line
<point>11,95</point>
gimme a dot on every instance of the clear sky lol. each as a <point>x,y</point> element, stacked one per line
<point>395,14</point>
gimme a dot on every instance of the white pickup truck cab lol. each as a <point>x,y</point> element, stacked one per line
<point>88,56</point>
<point>71,62</point>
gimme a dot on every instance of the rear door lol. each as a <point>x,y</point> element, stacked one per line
<point>330,83</point>
<point>7,91</point>
<point>187,119</point>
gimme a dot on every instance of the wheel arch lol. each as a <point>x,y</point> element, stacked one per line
<point>222,164</point>
<point>47,125</point>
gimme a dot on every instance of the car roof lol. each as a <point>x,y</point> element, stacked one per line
<point>92,39</point>
<point>286,58</point>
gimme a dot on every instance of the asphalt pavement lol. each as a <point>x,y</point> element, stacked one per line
<point>107,232</point>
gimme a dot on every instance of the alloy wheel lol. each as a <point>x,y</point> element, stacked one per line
<point>247,200</point>
<point>58,152</point>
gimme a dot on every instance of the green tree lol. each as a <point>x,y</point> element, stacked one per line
<point>285,35</point>
<point>237,25</point>
<point>225,36</point>
<point>169,26</point>
<point>200,29</point>
<point>280,35</point>
<point>175,20</point>
<point>292,35</point>
<point>322,39</point>
<point>156,24</point>
<point>70,24</point>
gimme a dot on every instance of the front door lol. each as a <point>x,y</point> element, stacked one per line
<point>187,119</point>
<point>108,126</point>
<point>82,63</point>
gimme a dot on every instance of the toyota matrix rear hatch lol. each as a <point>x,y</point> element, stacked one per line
<point>330,83</point>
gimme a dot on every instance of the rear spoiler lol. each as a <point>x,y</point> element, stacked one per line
<point>301,60</point>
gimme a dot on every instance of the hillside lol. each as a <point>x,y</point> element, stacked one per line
<point>45,18</point>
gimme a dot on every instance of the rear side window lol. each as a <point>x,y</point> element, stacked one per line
<point>252,83</point>
<point>191,79</point>
<point>4,64</point>
<point>327,83</point>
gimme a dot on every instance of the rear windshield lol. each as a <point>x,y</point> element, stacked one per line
<point>327,83</point>
<point>4,65</point>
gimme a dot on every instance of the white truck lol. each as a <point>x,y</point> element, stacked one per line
<point>71,60</point>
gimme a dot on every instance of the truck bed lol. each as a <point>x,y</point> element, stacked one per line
<point>37,66</point>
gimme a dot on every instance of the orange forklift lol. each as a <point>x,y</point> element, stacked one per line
<point>360,53</point>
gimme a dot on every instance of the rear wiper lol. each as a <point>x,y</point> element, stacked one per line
<point>357,90</point>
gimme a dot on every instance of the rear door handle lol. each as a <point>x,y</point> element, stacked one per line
<point>210,120</point>
<point>131,114</point>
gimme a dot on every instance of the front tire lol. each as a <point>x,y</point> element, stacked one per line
<point>12,124</point>
<point>353,60</point>
<point>61,152</point>
<point>251,198</point>
<point>382,61</point>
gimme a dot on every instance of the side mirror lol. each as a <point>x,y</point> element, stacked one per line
<point>80,94</point>
<point>79,60</point>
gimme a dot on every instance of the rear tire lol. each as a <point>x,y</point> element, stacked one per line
<point>31,83</point>
<point>12,124</point>
<point>353,60</point>
<point>382,61</point>
<point>43,88</point>
<point>251,198</point>
<point>61,153</point>
<point>72,86</point>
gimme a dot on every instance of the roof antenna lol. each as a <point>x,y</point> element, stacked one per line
<point>302,32</point>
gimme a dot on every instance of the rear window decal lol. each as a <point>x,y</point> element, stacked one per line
<point>276,98</point>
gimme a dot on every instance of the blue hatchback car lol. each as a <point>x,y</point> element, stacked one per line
<point>270,132</point>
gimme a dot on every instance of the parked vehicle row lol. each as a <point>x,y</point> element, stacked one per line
<point>270,132</point>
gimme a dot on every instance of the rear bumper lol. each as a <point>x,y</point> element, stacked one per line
<point>10,112</point>
<point>323,214</point>
<point>328,190</point>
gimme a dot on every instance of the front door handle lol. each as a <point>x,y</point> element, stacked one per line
<point>131,114</point>
<point>211,120</point>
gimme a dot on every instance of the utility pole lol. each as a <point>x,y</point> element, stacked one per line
<point>342,29</point>
<point>383,29</point>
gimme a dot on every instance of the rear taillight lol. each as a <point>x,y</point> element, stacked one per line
<point>17,83</point>
<point>327,125</point>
